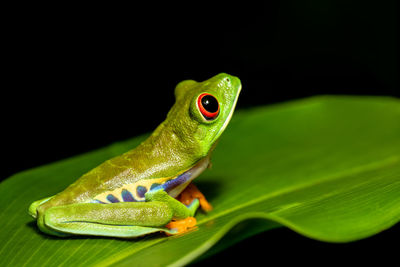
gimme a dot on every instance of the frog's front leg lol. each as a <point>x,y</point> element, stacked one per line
<point>190,193</point>
<point>183,214</point>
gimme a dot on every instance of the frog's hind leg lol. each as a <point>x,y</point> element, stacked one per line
<point>124,219</point>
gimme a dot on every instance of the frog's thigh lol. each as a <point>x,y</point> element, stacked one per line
<point>124,219</point>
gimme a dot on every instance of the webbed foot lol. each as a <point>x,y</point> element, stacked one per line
<point>182,226</point>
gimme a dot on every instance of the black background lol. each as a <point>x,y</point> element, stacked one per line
<point>80,77</point>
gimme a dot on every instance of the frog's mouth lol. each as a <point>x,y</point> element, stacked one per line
<point>228,119</point>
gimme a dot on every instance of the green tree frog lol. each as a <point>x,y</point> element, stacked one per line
<point>148,189</point>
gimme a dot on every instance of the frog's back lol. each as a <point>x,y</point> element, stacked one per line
<point>126,178</point>
<point>91,184</point>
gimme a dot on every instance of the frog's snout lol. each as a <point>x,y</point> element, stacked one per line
<point>228,78</point>
<point>231,80</point>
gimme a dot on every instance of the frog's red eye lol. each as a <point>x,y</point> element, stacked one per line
<point>208,105</point>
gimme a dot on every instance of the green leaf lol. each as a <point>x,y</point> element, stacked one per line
<point>326,167</point>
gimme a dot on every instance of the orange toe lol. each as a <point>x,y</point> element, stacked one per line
<point>205,205</point>
<point>182,226</point>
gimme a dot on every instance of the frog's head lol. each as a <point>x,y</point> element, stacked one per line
<point>203,109</point>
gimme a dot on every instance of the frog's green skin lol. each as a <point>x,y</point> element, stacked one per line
<point>144,181</point>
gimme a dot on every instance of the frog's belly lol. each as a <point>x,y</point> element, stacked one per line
<point>136,191</point>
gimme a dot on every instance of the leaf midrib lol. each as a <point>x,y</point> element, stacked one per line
<point>355,170</point>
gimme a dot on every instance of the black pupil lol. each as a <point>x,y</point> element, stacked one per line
<point>209,103</point>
